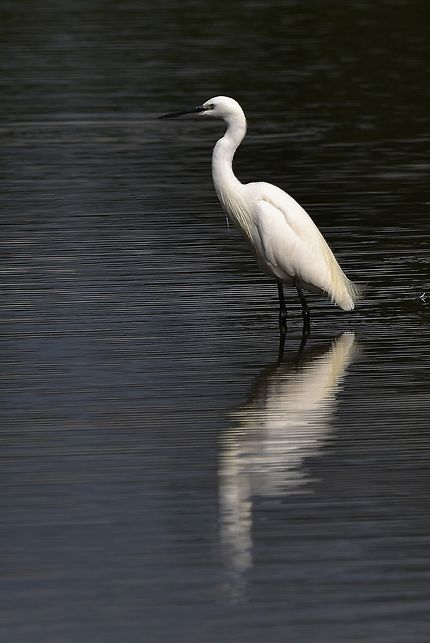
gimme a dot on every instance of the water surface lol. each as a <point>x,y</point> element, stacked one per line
<point>163,477</point>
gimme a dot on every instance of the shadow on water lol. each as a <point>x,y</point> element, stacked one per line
<point>287,420</point>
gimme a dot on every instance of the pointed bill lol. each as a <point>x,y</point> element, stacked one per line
<point>191,110</point>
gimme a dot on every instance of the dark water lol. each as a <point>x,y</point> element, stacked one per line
<point>162,478</point>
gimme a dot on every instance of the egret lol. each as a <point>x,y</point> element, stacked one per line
<point>283,238</point>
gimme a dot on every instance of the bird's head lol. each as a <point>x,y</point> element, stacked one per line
<point>221,107</point>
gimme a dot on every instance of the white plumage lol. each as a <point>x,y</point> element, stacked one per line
<point>285,241</point>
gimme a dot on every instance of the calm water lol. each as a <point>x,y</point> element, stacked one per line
<point>163,478</point>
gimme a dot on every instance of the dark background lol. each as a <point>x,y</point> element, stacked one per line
<point>161,479</point>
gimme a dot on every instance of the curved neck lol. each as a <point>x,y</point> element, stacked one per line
<point>223,153</point>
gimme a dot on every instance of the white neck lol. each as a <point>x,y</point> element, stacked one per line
<point>222,157</point>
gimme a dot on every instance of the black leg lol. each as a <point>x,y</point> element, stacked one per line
<point>282,309</point>
<point>282,321</point>
<point>305,312</point>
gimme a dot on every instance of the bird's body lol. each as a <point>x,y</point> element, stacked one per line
<point>285,241</point>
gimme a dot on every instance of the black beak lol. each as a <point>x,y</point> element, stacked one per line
<point>192,110</point>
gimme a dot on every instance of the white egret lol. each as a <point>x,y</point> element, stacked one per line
<point>285,241</point>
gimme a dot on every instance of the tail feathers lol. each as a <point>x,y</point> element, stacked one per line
<point>346,294</point>
<point>339,288</point>
<point>342,291</point>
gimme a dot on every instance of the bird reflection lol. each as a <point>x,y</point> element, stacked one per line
<point>288,419</point>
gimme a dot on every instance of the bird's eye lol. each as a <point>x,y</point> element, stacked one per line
<point>211,106</point>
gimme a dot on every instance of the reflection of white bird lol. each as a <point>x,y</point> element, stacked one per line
<point>286,421</point>
<point>287,244</point>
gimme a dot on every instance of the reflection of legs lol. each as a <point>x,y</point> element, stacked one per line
<point>282,309</point>
<point>305,335</point>
<point>305,312</point>
<point>282,336</point>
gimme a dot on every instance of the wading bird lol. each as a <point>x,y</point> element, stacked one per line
<point>285,241</point>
